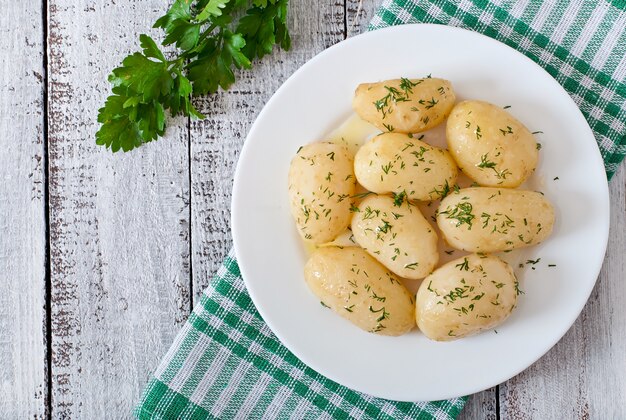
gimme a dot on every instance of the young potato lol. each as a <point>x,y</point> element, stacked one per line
<point>398,163</point>
<point>490,145</point>
<point>397,235</point>
<point>321,184</point>
<point>404,105</point>
<point>465,296</point>
<point>494,219</point>
<point>358,288</point>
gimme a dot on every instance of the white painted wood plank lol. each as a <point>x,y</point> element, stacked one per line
<point>481,405</point>
<point>358,15</point>
<point>119,223</point>
<point>217,140</point>
<point>22,217</point>
<point>584,375</point>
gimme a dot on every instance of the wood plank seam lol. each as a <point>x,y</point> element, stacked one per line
<point>48,278</point>
<point>22,213</point>
<point>190,215</point>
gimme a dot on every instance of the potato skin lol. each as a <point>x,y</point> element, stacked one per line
<point>465,296</point>
<point>399,237</point>
<point>360,289</point>
<point>404,105</point>
<point>490,145</point>
<point>321,184</point>
<point>396,163</point>
<point>494,219</point>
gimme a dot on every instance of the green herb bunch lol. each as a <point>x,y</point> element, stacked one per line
<point>210,39</point>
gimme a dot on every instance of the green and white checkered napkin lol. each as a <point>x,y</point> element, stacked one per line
<point>226,363</point>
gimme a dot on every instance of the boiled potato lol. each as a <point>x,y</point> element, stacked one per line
<point>321,184</point>
<point>494,219</point>
<point>399,163</point>
<point>404,105</point>
<point>397,235</point>
<point>465,296</point>
<point>490,145</point>
<point>358,288</point>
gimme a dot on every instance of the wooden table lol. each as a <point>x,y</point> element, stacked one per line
<point>103,256</point>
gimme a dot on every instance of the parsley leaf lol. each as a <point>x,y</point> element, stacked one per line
<point>150,48</point>
<point>263,27</point>
<point>140,75</point>
<point>207,50</point>
<point>212,8</point>
<point>183,33</point>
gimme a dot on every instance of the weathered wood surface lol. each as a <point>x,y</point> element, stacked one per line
<point>135,238</point>
<point>22,217</point>
<point>119,224</point>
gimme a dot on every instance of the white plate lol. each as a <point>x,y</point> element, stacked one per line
<point>412,368</point>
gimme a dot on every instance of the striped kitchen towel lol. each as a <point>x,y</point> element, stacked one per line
<point>226,363</point>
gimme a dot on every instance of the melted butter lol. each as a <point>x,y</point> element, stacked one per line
<point>352,133</point>
<point>309,248</point>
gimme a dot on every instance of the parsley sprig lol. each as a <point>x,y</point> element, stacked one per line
<point>210,38</point>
